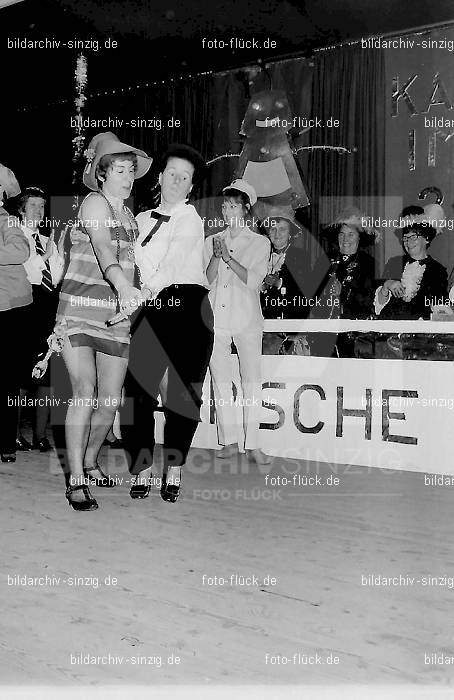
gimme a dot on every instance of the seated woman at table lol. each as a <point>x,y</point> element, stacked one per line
<point>347,288</point>
<point>413,281</point>
<point>285,289</point>
<point>287,275</point>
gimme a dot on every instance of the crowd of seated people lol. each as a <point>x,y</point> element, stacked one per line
<point>346,284</point>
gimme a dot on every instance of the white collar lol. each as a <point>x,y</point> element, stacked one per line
<point>178,207</point>
<point>27,229</point>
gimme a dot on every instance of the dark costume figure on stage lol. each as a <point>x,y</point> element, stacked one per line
<point>347,288</point>
<point>412,282</point>
<point>173,331</point>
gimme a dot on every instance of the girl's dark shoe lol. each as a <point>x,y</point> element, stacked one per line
<point>170,489</point>
<point>89,503</point>
<point>22,445</point>
<point>8,456</point>
<point>43,444</point>
<point>141,487</point>
<point>116,444</point>
<point>103,480</point>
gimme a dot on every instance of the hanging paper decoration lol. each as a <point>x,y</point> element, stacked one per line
<point>80,75</point>
<point>267,160</point>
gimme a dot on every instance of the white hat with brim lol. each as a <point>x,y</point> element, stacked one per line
<point>9,182</point>
<point>243,186</point>
<point>106,144</point>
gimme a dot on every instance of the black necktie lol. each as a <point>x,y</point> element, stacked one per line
<point>46,274</point>
<point>160,219</point>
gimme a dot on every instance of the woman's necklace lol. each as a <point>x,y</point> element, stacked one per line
<point>130,230</point>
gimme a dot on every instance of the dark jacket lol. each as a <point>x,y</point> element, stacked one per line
<point>434,285</point>
<point>356,273</point>
<point>299,284</point>
<point>15,289</point>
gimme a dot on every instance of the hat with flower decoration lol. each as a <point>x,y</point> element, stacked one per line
<point>105,144</point>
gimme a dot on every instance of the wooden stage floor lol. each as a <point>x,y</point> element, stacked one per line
<point>146,593</point>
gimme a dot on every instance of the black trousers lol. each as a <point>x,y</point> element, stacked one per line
<point>176,333</point>
<point>15,327</point>
<point>44,311</point>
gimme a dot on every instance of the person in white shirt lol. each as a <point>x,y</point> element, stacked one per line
<point>173,331</point>
<point>44,269</point>
<point>236,263</point>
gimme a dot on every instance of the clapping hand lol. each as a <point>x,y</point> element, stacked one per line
<point>225,251</point>
<point>335,288</point>
<point>217,248</point>
<point>271,280</point>
<point>77,236</point>
<point>61,241</point>
<point>395,287</point>
<point>49,246</point>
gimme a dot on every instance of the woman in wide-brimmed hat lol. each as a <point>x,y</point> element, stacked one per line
<point>346,289</point>
<point>15,304</point>
<point>284,286</point>
<point>99,282</point>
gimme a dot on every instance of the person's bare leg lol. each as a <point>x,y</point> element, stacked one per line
<point>80,363</point>
<point>111,373</point>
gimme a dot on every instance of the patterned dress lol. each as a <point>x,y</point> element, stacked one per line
<point>87,300</point>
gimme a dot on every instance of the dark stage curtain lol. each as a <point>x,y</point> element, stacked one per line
<point>349,85</point>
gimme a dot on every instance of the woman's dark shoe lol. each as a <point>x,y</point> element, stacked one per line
<point>23,445</point>
<point>141,486</point>
<point>89,503</point>
<point>103,480</point>
<point>116,444</point>
<point>170,489</point>
<point>43,444</point>
<point>8,456</point>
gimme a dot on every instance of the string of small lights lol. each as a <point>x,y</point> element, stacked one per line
<point>125,90</point>
<point>259,62</point>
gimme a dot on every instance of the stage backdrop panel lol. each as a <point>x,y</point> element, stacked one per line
<point>420,126</point>
<point>377,413</point>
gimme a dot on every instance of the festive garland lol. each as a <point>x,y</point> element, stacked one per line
<point>80,75</point>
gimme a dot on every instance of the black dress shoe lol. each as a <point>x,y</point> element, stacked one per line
<point>23,445</point>
<point>141,490</point>
<point>170,492</point>
<point>89,503</point>
<point>105,480</point>
<point>43,445</point>
<point>8,456</point>
<point>116,444</point>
